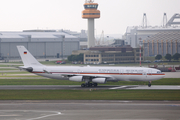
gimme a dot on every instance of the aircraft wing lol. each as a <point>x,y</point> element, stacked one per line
<point>87,75</point>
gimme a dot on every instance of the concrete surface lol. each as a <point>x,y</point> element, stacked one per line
<point>78,87</point>
<point>89,110</point>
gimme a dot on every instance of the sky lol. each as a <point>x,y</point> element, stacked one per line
<point>116,15</point>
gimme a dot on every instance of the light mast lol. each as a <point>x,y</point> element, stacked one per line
<point>90,13</point>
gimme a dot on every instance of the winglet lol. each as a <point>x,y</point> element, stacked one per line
<point>27,58</point>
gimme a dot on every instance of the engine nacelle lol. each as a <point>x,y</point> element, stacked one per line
<point>76,78</point>
<point>99,80</point>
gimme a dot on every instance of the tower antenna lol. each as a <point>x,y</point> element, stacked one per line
<point>89,1</point>
<point>144,20</point>
<point>164,20</point>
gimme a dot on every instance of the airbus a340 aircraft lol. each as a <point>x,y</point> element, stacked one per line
<point>90,75</point>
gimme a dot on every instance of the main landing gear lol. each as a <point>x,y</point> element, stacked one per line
<point>149,85</point>
<point>89,84</point>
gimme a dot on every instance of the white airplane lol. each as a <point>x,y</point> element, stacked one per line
<point>90,75</point>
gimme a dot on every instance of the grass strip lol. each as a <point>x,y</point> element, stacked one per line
<point>13,76</point>
<point>6,65</point>
<point>18,72</point>
<point>90,95</point>
<point>164,81</point>
<point>2,69</point>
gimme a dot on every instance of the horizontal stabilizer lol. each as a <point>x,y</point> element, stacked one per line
<point>29,69</point>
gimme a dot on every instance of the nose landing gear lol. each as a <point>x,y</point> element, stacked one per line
<point>83,85</point>
<point>149,85</point>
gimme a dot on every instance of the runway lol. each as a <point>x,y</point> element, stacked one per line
<point>89,110</point>
<point>78,87</point>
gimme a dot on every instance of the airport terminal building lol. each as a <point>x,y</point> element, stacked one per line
<point>155,39</point>
<point>41,43</point>
<point>111,55</point>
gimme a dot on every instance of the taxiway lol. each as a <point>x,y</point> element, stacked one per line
<point>78,87</point>
<point>89,110</point>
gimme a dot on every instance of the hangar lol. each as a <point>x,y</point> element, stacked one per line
<point>41,43</point>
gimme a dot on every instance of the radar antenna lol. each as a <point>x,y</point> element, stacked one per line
<point>89,1</point>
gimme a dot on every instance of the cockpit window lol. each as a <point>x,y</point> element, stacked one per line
<point>159,72</point>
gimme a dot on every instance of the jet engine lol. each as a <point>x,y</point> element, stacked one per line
<point>76,78</point>
<point>99,80</point>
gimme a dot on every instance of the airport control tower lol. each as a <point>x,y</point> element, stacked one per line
<point>90,13</point>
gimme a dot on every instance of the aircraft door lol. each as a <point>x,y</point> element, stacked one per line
<point>149,72</point>
<point>78,71</point>
<point>121,72</point>
<point>145,74</point>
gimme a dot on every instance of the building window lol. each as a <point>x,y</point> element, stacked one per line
<point>91,13</point>
<point>90,6</point>
<point>88,59</point>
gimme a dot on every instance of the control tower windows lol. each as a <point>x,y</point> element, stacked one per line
<point>91,13</point>
<point>90,6</point>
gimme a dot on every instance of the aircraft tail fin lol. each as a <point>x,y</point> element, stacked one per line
<point>27,58</point>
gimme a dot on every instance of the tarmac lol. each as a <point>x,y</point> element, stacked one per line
<point>89,110</point>
<point>172,74</point>
<point>78,87</point>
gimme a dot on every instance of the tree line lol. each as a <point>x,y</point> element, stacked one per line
<point>79,57</point>
<point>168,57</point>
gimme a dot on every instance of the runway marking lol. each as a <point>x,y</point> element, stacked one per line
<point>133,119</point>
<point>175,105</point>
<point>120,101</point>
<point>1,104</point>
<point>56,113</point>
<point>117,87</point>
<point>13,115</point>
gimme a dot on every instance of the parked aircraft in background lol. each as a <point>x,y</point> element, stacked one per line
<point>90,75</point>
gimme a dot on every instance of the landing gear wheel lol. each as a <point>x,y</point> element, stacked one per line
<point>87,84</point>
<point>149,85</point>
<point>82,85</point>
<point>95,84</point>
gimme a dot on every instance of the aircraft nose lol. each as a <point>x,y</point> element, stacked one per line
<point>163,75</point>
